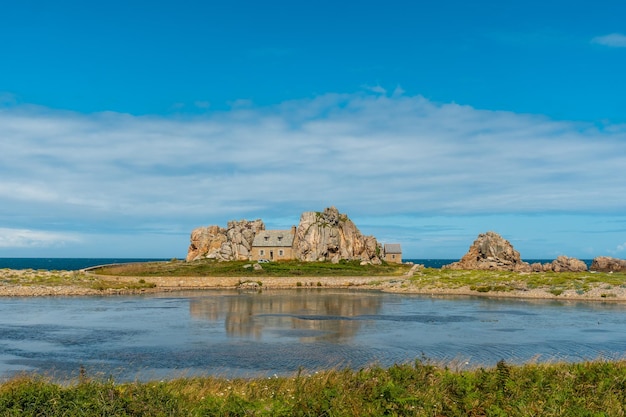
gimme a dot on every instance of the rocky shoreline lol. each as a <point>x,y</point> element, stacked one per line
<point>23,283</point>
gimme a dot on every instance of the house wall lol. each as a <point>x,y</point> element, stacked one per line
<point>266,252</point>
<point>393,258</point>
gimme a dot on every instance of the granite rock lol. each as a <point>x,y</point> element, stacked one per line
<point>490,251</point>
<point>224,244</point>
<point>332,236</point>
<point>608,264</point>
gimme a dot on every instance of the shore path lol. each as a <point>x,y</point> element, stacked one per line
<point>29,283</point>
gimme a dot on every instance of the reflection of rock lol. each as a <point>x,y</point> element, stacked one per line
<point>491,251</point>
<point>561,264</point>
<point>318,315</point>
<point>608,264</point>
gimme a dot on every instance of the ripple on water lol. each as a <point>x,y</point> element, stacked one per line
<point>231,334</point>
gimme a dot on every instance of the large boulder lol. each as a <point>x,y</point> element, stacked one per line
<point>332,236</point>
<point>232,243</point>
<point>566,264</point>
<point>490,251</point>
<point>608,264</point>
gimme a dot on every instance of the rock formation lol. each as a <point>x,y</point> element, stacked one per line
<point>332,236</point>
<point>325,236</point>
<point>560,264</point>
<point>232,243</point>
<point>608,264</point>
<point>491,251</point>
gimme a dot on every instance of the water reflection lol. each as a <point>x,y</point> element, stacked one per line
<point>239,334</point>
<point>311,315</point>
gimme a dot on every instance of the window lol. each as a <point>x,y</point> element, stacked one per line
<point>261,252</point>
<point>393,256</point>
<point>280,252</point>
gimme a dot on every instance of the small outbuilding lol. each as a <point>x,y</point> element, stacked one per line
<point>393,252</point>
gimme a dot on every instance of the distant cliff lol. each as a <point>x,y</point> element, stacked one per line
<point>320,236</point>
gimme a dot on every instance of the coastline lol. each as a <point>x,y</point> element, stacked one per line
<point>27,286</point>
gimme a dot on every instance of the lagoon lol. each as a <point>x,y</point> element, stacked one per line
<point>236,333</point>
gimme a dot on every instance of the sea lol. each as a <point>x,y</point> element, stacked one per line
<point>73,264</point>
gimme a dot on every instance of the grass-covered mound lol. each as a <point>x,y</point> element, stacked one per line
<point>420,389</point>
<point>29,278</point>
<point>211,268</point>
<point>555,283</point>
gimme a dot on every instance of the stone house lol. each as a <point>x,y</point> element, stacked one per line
<point>393,253</point>
<point>273,245</point>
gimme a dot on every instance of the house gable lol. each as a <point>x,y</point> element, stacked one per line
<point>393,252</point>
<point>273,238</point>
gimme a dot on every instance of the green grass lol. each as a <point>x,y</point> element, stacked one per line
<point>208,268</point>
<point>555,283</point>
<point>418,389</point>
<point>30,277</point>
<point>486,281</point>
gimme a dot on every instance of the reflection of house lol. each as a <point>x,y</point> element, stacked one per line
<point>393,252</point>
<point>308,314</point>
<point>274,245</point>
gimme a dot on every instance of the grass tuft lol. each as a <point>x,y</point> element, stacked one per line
<point>415,389</point>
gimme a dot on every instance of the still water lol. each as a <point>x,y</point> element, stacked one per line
<point>230,333</point>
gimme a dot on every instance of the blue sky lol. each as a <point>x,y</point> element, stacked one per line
<point>124,125</point>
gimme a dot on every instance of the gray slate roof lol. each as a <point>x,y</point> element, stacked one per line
<point>393,248</point>
<point>265,238</point>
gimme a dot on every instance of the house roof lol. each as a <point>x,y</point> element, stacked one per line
<point>280,238</point>
<point>393,248</point>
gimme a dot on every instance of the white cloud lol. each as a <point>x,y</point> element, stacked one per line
<point>367,154</point>
<point>615,40</point>
<point>24,238</point>
<point>378,89</point>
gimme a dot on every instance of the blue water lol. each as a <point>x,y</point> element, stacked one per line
<point>72,264</point>
<point>237,333</point>
<point>65,264</point>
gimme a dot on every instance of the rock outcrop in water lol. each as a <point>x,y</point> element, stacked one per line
<point>608,264</point>
<point>490,251</point>
<point>320,236</point>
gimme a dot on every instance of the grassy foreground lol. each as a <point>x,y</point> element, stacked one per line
<point>419,389</point>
